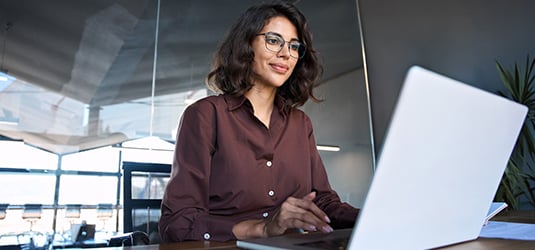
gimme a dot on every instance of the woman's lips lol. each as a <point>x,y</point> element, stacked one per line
<point>282,68</point>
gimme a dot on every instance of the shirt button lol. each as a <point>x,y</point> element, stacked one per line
<point>206,236</point>
<point>265,214</point>
<point>271,193</point>
<point>269,163</point>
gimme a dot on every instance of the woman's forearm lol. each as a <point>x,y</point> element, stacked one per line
<point>249,229</point>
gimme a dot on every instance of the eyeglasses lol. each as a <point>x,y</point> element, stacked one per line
<point>275,43</point>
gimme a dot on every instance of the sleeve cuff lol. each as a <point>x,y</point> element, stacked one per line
<point>215,228</point>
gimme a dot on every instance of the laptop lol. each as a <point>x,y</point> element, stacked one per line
<point>443,157</point>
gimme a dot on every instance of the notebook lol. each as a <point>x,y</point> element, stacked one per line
<point>444,153</point>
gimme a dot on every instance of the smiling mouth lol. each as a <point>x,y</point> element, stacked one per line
<point>279,68</point>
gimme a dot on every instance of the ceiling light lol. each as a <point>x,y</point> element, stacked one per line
<point>328,148</point>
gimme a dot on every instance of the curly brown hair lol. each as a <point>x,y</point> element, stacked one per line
<point>232,66</point>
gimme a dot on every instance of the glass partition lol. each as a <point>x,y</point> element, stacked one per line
<point>86,85</point>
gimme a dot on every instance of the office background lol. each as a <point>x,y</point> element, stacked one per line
<point>461,39</point>
<point>93,84</point>
<point>89,83</point>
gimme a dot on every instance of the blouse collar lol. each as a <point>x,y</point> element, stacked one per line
<point>235,102</point>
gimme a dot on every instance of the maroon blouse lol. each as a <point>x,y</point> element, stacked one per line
<point>229,167</point>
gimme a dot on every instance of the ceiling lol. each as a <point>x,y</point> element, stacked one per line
<point>102,52</point>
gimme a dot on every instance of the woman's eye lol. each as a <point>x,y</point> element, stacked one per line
<point>294,46</point>
<point>273,40</point>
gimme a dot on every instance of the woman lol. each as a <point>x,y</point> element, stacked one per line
<point>246,163</point>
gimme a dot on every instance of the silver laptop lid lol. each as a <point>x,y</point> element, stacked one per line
<point>443,157</point>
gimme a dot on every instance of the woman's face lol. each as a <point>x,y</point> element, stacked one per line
<point>273,68</point>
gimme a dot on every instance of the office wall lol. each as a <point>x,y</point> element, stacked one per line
<point>459,38</point>
<point>342,120</point>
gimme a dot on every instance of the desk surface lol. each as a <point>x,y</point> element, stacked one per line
<point>478,244</point>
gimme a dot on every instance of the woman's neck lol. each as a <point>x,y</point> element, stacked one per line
<point>263,100</point>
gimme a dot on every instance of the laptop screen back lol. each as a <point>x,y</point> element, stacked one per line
<point>442,160</point>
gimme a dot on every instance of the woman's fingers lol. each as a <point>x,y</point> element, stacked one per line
<point>308,206</point>
<point>310,196</point>
<point>306,216</point>
<point>299,213</point>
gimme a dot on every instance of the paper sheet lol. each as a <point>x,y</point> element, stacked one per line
<point>508,230</point>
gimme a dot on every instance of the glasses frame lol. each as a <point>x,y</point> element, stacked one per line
<point>301,51</point>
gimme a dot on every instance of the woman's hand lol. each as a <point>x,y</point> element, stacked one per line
<point>298,213</point>
<point>293,213</point>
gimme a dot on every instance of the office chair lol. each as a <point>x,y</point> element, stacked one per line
<point>3,213</point>
<point>32,239</point>
<point>32,213</point>
<point>72,213</point>
<point>135,238</point>
<point>3,210</point>
<point>104,213</point>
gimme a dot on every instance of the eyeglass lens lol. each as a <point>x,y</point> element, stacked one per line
<point>275,43</point>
